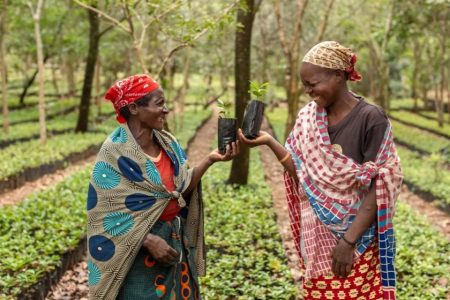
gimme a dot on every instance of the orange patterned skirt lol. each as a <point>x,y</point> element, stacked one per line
<point>364,281</point>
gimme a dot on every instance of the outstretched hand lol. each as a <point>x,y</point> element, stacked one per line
<point>231,150</point>
<point>262,139</point>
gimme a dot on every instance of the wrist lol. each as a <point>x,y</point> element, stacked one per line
<point>271,142</point>
<point>348,241</point>
<point>149,240</point>
<point>209,161</point>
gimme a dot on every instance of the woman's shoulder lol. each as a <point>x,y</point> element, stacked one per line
<point>168,135</point>
<point>374,114</point>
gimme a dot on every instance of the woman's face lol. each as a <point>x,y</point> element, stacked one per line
<point>153,115</point>
<point>320,84</point>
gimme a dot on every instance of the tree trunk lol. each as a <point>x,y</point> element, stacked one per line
<point>98,98</point>
<point>70,76</point>
<point>41,70</point>
<point>240,165</point>
<point>441,84</point>
<point>291,47</point>
<point>94,40</point>
<point>55,80</point>
<point>384,99</point>
<point>323,25</point>
<point>179,99</point>
<point>416,68</point>
<point>293,94</point>
<point>30,82</point>
<point>3,68</point>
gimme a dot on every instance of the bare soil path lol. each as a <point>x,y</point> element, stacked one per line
<point>273,173</point>
<point>17,195</point>
<point>435,216</point>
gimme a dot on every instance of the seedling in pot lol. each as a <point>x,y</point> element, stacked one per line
<point>254,113</point>
<point>226,127</point>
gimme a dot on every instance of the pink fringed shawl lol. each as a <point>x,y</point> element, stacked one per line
<point>331,189</point>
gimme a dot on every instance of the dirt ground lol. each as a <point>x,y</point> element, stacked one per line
<point>273,173</point>
<point>17,195</point>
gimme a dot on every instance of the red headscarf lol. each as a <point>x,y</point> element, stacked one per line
<point>128,90</point>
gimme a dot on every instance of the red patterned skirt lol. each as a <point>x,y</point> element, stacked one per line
<point>364,281</point>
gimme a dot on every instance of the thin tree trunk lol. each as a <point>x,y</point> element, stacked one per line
<point>70,76</point>
<point>29,82</point>
<point>240,165</point>
<point>440,101</point>
<point>291,47</point>
<point>55,80</point>
<point>94,40</point>
<point>323,25</point>
<point>415,74</point>
<point>208,80</point>
<point>3,67</point>
<point>41,71</point>
<point>263,53</point>
<point>293,94</point>
<point>98,99</point>
<point>182,94</point>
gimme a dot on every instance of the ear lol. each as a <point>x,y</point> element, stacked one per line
<point>340,76</point>
<point>133,108</point>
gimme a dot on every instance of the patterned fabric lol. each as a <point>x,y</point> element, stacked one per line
<point>128,90</point>
<point>333,55</point>
<point>149,279</point>
<point>331,189</point>
<point>363,282</point>
<point>125,199</point>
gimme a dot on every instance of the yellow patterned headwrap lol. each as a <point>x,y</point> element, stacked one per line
<point>332,55</point>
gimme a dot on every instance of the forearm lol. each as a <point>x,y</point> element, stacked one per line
<point>365,216</point>
<point>198,172</point>
<point>281,152</point>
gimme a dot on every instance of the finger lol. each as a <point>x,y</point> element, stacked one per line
<point>228,151</point>
<point>233,149</point>
<point>337,270</point>
<point>172,252</point>
<point>342,270</point>
<point>333,266</point>
<point>348,269</point>
<point>241,135</point>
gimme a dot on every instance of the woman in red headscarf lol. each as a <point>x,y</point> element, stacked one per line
<point>145,210</point>
<point>342,179</point>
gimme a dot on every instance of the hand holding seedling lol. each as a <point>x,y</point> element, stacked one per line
<point>263,138</point>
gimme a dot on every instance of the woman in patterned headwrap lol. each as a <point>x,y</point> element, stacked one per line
<point>342,178</point>
<point>145,210</point>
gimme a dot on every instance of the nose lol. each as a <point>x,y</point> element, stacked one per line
<point>165,109</point>
<point>308,89</point>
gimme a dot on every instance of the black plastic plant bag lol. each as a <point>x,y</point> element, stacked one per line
<point>253,117</point>
<point>226,132</point>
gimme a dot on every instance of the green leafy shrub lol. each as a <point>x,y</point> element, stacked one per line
<point>246,258</point>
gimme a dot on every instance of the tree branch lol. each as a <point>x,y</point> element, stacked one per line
<point>196,37</point>
<point>281,30</point>
<point>324,23</point>
<point>104,15</point>
<point>301,7</point>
